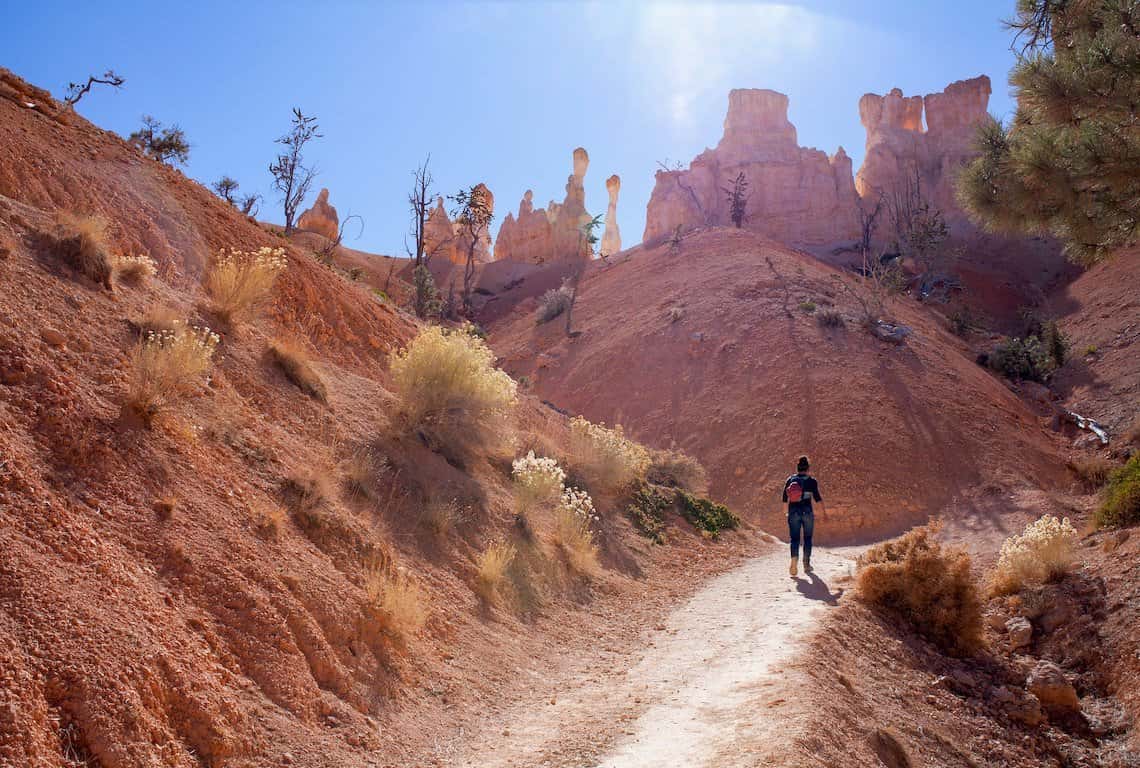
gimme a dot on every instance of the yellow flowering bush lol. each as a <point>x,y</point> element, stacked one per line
<point>1043,552</point>
<point>238,281</point>
<point>449,388</point>
<point>607,457</point>
<point>167,365</point>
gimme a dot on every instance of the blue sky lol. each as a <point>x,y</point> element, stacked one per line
<point>498,92</point>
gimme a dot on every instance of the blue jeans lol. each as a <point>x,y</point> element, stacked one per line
<point>800,519</point>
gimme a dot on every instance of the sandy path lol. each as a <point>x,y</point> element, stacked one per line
<point>708,688</point>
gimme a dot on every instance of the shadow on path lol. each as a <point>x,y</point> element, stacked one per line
<point>815,588</point>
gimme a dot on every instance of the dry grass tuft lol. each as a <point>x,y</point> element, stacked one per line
<point>157,320</point>
<point>913,577</point>
<point>168,365</point>
<point>450,390</point>
<point>887,745</point>
<point>677,470</point>
<point>552,304</point>
<point>572,531</point>
<point>134,270</point>
<point>400,601</point>
<point>291,357</point>
<point>81,241</point>
<point>359,473</point>
<point>238,282</point>
<point>441,516</point>
<point>1092,473</point>
<point>492,568</point>
<point>1043,552</point>
<point>268,521</point>
<point>606,457</point>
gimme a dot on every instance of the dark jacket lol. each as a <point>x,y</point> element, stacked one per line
<point>811,490</point>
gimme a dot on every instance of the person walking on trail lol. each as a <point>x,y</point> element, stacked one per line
<point>799,490</point>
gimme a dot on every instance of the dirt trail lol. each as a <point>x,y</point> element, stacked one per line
<point>708,688</point>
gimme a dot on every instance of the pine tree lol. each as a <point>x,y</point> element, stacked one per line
<point>1069,163</point>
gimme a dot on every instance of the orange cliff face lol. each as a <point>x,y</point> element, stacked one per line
<point>801,196</point>
<point>898,145</point>
<point>796,194</point>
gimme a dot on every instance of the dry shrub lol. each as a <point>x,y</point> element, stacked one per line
<point>913,577</point>
<point>311,488</point>
<point>441,516</point>
<point>1122,497</point>
<point>134,270</point>
<point>888,747</point>
<point>81,241</point>
<point>677,470</point>
<point>492,567</point>
<point>1043,552</point>
<point>164,507</point>
<point>1092,473</point>
<point>552,304</point>
<point>400,601</point>
<point>290,356</point>
<point>168,365</point>
<point>359,474</point>
<point>450,391</point>
<point>237,281</point>
<point>537,481</point>
<point>572,531</point>
<point>608,459</point>
<point>268,520</point>
<point>157,320</point>
<point>830,318</point>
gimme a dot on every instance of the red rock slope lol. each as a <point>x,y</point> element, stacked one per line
<point>707,346</point>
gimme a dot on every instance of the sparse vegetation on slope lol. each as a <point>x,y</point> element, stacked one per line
<point>290,356</point>
<point>1043,552</point>
<point>450,390</point>
<point>1122,497</point>
<point>605,456</point>
<point>914,578</point>
<point>81,241</point>
<point>166,366</point>
<point>239,281</point>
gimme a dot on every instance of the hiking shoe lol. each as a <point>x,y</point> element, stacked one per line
<point>792,568</point>
<point>807,566</point>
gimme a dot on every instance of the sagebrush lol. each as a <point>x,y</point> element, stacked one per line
<point>552,304</point>
<point>450,390</point>
<point>573,521</point>
<point>134,270</point>
<point>677,469</point>
<point>914,578</point>
<point>537,480</point>
<point>608,459</point>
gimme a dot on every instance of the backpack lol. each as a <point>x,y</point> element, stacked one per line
<point>795,489</point>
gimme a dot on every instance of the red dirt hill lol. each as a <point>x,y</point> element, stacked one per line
<point>713,346</point>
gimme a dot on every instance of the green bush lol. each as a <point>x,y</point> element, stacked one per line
<point>1122,498</point>
<point>807,306</point>
<point>1025,359</point>
<point>647,509</point>
<point>708,516</point>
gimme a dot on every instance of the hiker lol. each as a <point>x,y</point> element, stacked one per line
<point>798,492</point>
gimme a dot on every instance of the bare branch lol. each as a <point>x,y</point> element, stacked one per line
<point>76,91</point>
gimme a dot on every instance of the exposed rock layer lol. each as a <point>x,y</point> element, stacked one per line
<point>321,218</point>
<point>800,195</point>
<point>611,238</point>
<point>554,233</point>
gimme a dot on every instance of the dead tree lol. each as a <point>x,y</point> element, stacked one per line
<point>571,284</point>
<point>291,177</point>
<point>868,222</point>
<point>76,91</point>
<point>326,252</point>
<point>249,205</point>
<point>473,215</point>
<point>737,196</point>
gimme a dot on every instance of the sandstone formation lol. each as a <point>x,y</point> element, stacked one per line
<point>796,194</point>
<point>321,218</point>
<point>439,234</point>
<point>611,238</point>
<point>899,145</point>
<point>556,232</point>
<point>483,242</point>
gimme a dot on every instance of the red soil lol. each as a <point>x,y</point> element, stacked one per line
<point>163,600</point>
<point>706,346</point>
